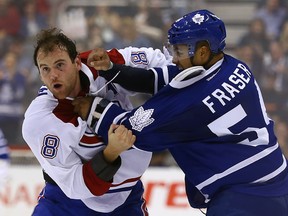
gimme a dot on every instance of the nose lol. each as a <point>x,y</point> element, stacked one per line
<point>175,59</point>
<point>54,74</point>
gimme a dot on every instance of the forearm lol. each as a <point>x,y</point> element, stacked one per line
<point>134,79</point>
<point>98,173</point>
<point>105,168</point>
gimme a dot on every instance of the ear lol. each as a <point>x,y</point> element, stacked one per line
<point>78,62</point>
<point>204,51</point>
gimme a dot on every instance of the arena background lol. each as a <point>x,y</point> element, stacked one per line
<point>116,24</point>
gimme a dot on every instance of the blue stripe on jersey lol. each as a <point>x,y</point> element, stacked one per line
<point>42,91</point>
<point>120,189</point>
<point>4,156</point>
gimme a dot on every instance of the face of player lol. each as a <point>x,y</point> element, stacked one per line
<point>59,73</point>
<point>182,59</point>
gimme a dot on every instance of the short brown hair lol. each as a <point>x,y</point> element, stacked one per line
<point>48,39</point>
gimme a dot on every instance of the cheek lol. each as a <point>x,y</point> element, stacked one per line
<point>197,61</point>
<point>186,63</point>
<point>42,79</point>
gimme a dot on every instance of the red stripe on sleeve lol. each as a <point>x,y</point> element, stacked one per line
<point>96,185</point>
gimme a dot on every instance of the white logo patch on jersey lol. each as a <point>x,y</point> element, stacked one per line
<point>198,18</point>
<point>141,118</point>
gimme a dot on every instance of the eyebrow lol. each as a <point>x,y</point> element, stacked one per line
<point>59,60</point>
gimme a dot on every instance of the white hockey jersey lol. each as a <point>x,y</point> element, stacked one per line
<point>61,141</point>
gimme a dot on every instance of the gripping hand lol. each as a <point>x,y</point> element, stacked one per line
<point>90,108</point>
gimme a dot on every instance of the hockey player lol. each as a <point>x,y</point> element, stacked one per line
<point>4,160</point>
<point>83,175</point>
<point>211,117</point>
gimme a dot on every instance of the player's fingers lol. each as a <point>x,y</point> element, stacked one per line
<point>76,105</point>
<point>94,56</point>
<point>133,139</point>
<point>112,128</point>
<point>75,102</point>
<point>130,138</point>
<point>120,130</point>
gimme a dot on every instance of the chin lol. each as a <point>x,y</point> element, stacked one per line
<point>59,96</point>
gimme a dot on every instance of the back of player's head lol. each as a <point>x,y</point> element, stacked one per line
<point>200,25</point>
<point>49,39</point>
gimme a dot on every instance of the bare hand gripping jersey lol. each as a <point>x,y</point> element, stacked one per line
<point>61,141</point>
<point>216,127</point>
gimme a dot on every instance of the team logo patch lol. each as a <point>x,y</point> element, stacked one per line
<point>139,58</point>
<point>141,118</point>
<point>198,19</point>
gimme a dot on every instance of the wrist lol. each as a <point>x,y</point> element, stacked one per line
<point>110,156</point>
<point>110,66</point>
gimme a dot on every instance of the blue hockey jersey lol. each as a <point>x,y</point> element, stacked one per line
<point>216,127</point>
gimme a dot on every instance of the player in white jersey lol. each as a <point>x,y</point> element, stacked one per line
<point>4,160</point>
<point>84,175</point>
<point>210,116</point>
<point>4,164</point>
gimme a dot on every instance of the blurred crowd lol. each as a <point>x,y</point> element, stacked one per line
<point>264,47</point>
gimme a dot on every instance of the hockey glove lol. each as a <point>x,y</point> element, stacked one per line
<point>97,108</point>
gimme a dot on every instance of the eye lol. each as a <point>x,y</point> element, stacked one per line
<point>44,70</point>
<point>60,66</point>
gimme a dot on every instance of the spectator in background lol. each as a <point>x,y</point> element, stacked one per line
<point>273,14</point>
<point>149,22</point>
<point>94,35</point>
<point>129,36</point>
<point>5,40</point>
<point>26,67</point>
<point>284,36</point>
<point>281,128</point>
<point>249,54</point>
<point>273,99</point>
<point>32,21</point>
<point>103,23</point>
<point>43,7</point>
<point>12,89</point>
<point>256,36</point>
<point>9,18</point>
<point>276,63</point>
<point>74,23</point>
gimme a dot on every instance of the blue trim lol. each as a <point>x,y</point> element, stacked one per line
<point>121,189</point>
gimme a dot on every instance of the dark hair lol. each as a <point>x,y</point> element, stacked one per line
<point>49,39</point>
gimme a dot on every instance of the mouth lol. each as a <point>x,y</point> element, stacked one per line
<point>57,86</point>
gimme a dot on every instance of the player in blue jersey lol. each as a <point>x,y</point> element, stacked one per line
<point>211,116</point>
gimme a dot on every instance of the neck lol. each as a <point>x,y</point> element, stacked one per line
<point>213,60</point>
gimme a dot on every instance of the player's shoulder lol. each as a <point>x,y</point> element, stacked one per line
<point>43,90</point>
<point>43,101</point>
<point>231,61</point>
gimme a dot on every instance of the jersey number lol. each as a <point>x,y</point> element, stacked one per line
<point>50,146</point>
<point>233,117</point>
